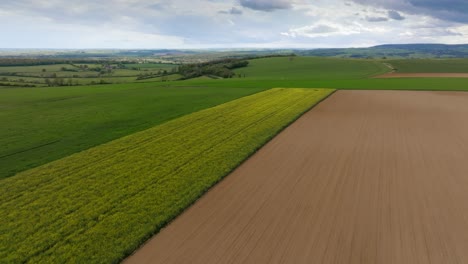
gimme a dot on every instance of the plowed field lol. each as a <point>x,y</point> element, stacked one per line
<point>364,177</point>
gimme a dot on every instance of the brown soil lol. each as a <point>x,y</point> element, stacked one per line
<point>422,75</point>
<point>364,177</point>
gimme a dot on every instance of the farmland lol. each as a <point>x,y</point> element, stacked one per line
<point>364,177</point>
<point>40,125</point>
<point>98,205</point>
<point>431,65</point>
<point>310,68</point>
<point>77,118</point>
<point>89,173</point>
<point>69,74</point>
<point>326,72</point>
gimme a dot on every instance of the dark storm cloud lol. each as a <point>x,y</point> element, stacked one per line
<point>449,10</point>
<point>266,5</point>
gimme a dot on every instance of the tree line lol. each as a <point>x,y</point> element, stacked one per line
<point>220,68</point>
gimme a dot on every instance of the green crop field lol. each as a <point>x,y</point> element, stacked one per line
<point>430,65</point>
<point>40,125</point>
<point>98,205</point>
<point>324,72</point>
<point>83,117</point>
<point>310,68</point>
<point>430,84</point>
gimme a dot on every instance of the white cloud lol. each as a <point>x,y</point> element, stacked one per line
<point>221,23</point>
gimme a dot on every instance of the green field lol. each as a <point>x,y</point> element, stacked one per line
<point>331,73</point>
<point>50,123</point>
<point>40,125</point>
<point>310,68</point>
<point>430,65</point>
<point>99,205</point>
<point>163,66</point>
<point>90,172</point>
<point>80,74</point>
<point>429,84</point>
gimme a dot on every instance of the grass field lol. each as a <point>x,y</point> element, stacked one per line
<point>430,65</point>
<point>40,125</point>
<point>99,205</point>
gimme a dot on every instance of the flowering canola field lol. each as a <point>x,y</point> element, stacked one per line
<point>99,205</point>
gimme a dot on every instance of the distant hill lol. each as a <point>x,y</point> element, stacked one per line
<point>394,51</point>
<point>203,55</point>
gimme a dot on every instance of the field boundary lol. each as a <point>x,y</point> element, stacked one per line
<point>238,165</point>
<point>420,75</point>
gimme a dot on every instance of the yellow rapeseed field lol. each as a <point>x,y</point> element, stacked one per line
<point>99,205</point>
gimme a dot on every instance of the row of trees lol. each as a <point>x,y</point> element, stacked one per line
<point>221,68</point>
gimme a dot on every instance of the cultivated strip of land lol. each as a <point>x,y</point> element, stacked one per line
<point>46,124</point>
<point>365,177</point>
<point>422,75</point>
<point>99,205</point>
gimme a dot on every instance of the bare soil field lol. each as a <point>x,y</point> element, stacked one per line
<point>364,177</point>
<point>422,75</point>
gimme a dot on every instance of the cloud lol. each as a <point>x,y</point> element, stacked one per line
<point>395,15</point>
<point>266,5</point>
<point>448,10</point>
<point>376,19</point>
<point>235,11</point>
<point>240,23</point>
<point>327,29</point>
<point>390,15</point>
<point>232,11</point>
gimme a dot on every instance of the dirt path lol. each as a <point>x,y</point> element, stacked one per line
<point>365,177</point>
<point>421,75</point>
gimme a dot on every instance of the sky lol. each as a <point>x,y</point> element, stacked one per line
<point>194,24</point>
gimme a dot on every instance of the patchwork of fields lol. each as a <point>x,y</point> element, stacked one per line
<point>89,173</point>
<point>364,177</point>
<point>338,74</point>
<point>82,73</point>
<point>98,205</point>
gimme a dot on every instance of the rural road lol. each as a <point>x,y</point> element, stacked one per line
<point>364,177</point>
